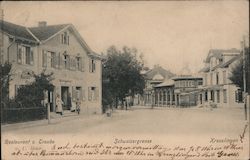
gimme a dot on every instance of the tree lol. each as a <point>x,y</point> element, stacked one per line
<point>237,72</point>
<point>5,74</point>
<point>34,93</point>
<point>121,75</point>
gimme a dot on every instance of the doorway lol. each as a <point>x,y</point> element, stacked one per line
<point>65,97</point>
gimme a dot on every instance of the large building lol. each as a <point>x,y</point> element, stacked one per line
<point>53,48</point>
<point>217,87</point>
<point>154,77</point>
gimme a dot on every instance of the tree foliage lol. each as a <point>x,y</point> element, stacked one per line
<point>121,74</point>
<point>33,93</point>
<point>5,74</point>
<point>237,72</point>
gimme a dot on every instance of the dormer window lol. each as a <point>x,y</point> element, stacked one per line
<point>65,38</point>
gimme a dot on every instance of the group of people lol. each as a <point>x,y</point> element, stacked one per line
<point>59,105</point>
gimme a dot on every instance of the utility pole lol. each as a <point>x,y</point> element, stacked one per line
<point>244,78</point>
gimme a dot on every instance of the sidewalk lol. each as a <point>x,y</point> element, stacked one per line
<point>55,119</point>
<point>58,119</point>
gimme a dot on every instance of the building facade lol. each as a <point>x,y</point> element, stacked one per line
<point>154,77</point>
<point>57,49</point>
<point>186,89</point>
<point>217,87</point>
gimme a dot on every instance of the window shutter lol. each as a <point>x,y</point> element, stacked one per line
<point>68,62</point>
<point>44,58</point>
<point>81,64</point>
<point>96,93</point>
<point>19,54</point>
<point>31,56</point>
<point>73,93</point>
<point>93,66</point>
<point>68,40</point>
<point>82,94</point>
<point>90,65</point>
<point>62,38</point>
<point>89,93</point>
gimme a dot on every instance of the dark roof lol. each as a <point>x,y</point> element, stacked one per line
<point>43,33</point>
<point>188,77</point>
<point>158,70</point>
<point>19,32</point>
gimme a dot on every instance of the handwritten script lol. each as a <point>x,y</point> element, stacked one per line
<point>145,149</point>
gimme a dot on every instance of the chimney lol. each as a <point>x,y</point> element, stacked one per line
<point>42,24</point>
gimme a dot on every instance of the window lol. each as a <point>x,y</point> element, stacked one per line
<point>79,64</point>
<point>212,96</point>
<point>93,93</point>
<point>190,83</point>
<point>217,77</point>
<point>218,96</point>
<point>25,55</point>
<point>65,38</point>
<point>92,66</point>
<point>78,93</point>
<point>66,62</point>
<point>238,96</point>
<point>200,83</point>
<point>224,95</point>
<point>206,96</point>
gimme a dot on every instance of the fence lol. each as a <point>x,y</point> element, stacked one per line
<point>16,112</point>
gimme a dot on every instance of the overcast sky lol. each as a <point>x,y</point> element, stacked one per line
<point>173,34</point>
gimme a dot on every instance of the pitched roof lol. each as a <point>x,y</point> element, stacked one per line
<point>17,31</point>
<point>158,70</point>
<point>43,33</point>
<point>168,82</point>
<point>205,69</point>
<point>218,53</point>
<point>226,64</point>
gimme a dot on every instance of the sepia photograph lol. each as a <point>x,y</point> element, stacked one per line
<point>125,80</point>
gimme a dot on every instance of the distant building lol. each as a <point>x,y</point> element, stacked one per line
<point>54,48</point>
<point>217,87</point>
<point>153,77</point>
<point>186,89</point>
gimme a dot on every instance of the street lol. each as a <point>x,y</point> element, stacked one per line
<point>142,120</point>
<point>173,127</point>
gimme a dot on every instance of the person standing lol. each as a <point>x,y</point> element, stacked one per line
<point>78,106</point>
<point>59,103</point>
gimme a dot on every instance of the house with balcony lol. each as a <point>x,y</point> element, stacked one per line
<point>60,49</point>
<point>217,87</point>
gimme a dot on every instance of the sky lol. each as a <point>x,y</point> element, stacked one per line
<point>173,34</point>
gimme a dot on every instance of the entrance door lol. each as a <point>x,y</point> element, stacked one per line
<point>64,97</point>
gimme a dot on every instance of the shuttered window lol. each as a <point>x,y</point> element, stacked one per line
<point>93,93</point>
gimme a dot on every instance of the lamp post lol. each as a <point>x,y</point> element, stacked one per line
<point>244,78</point>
